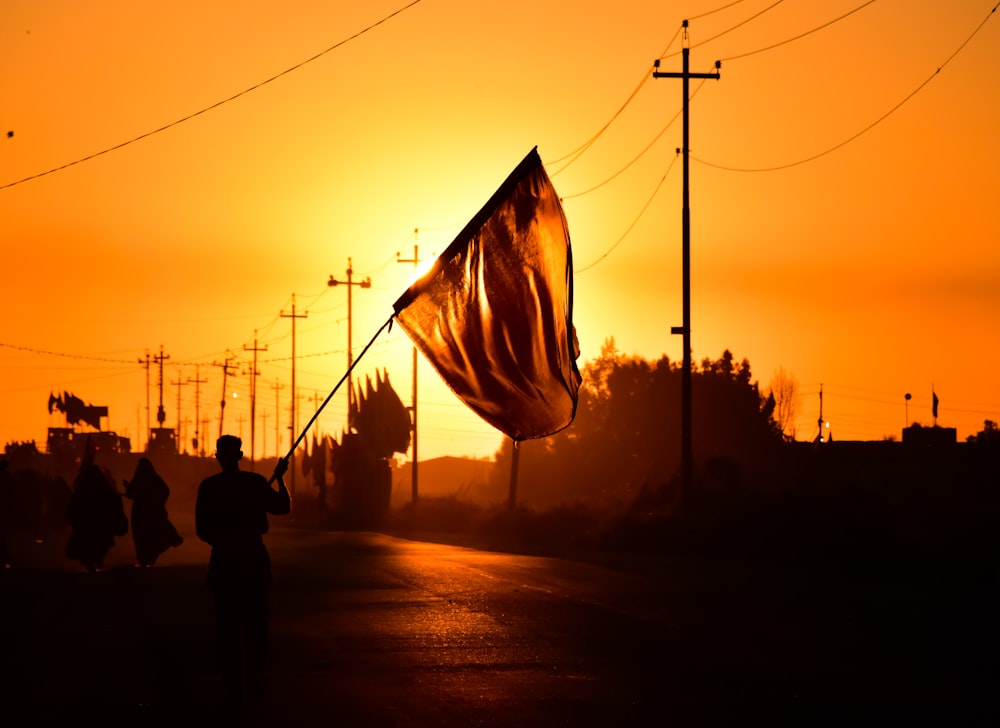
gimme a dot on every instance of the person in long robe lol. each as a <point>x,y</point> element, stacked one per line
<point>152,531</point>
<point>96,516</point>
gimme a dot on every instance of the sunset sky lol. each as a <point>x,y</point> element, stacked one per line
<point>238,154</point>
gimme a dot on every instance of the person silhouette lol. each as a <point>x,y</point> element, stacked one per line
<point>152,531</point>
<point>231,510</point>
<point>96,516</point>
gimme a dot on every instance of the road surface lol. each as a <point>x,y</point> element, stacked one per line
<point>371,630</point>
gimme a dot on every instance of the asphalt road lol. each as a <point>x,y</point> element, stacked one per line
<point>370,630</point>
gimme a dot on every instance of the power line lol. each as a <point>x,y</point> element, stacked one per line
<point>217,104</point>
<point>83,357</point>
<point>801,35</point>
<point>738,25</point>
<point>576,153</point>
<point>636,220</point>
<point>868,128</point>
<point>639,155</point>
<point>712,12</point>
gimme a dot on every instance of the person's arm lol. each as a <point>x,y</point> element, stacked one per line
<point>279,502</point>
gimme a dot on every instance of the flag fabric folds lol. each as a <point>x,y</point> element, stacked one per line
<point>494,313</point>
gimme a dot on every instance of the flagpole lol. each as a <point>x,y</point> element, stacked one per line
<point>326,401</point>
<point>515,457</point>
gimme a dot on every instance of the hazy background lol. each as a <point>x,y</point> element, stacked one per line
<point>871,270</point>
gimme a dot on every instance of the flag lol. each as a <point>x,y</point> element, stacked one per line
<point>934,404</point>
<point>494,313</point>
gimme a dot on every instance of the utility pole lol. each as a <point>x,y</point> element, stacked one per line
<point>226,366</point>
<point>687,455</point>
<point>317,399</point>
<point>277,387</point>
<point>145,362</point>
<point>819,422</point>
<point>253,394</point>
<point>263,432</point>
<point>413,426</point>
<point>197,381</point>
<point>161,414</point>
<point>179,383</point>
<point>293,430</point>
<point>366,283</point>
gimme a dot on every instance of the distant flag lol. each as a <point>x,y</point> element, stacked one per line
<point>494,314</point>
<point>934,403</point>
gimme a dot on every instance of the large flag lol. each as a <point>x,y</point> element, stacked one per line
<point>494,313</point>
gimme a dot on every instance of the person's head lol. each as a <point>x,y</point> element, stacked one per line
<point>229,450</point>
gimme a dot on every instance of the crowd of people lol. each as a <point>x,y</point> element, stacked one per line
<point>93,509</point>
<point>231,516</point>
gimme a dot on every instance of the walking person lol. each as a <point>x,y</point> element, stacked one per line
<point>231,516</point>
<point>152,531</point>
<point>96,516</point>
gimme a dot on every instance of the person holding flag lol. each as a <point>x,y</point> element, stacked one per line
<point>231,512</point>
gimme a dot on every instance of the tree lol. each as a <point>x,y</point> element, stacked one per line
<point>626,435</point>
<point>362,474</point>
<point>784,388</point>
<point>989,434</point>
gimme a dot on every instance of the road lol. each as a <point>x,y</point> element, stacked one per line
<point>371,630</point>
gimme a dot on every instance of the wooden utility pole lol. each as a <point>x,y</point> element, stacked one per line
<point>366,283</point>
<point>413,427</point>
<point>293,428</point>
<point>819,421</point>
<point>146,362</point>
<point>161,414</point>
<point>263,432</point>
<point>226,366</point>
<point>277,387</point>
<point>197,443</point>
<point>253,394</point>
<point>687,455</point>
<point>179,383</point>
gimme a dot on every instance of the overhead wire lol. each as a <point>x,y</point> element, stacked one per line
<point>640,154</point>
<point>636,220</point>
<point>800,36</point>
<point>735,27</point>
<point>868,128</point>
<point>803,161</point>
<point>217,104</point>
<point>712,12</point>
<point>576,153</point>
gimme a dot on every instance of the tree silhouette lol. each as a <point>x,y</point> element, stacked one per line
<point>362,476</point>
<point>784,387</point>
<point>626,436</point>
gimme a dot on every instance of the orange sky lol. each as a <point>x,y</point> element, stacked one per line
<point>873,269</point>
